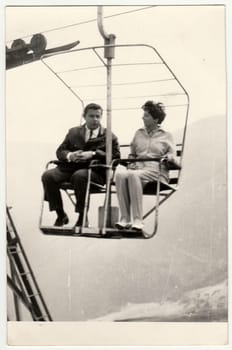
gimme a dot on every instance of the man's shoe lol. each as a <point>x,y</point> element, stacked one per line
<point>80,221</point>
<point>61,220</point>
<point>138,225</point>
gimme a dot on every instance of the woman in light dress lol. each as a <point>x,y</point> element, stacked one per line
<point>151,141</point>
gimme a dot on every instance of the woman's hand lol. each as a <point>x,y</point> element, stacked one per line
<point>131,165</point>
<point>170,157</point>
<point>171,161</point>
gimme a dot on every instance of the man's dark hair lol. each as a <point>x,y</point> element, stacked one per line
<point>92,106</point>
<point>156,110</point>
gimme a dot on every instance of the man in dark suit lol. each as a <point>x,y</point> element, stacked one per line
<point>81,145</point>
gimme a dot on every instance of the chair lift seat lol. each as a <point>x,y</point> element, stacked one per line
<point>149,189</point>
<point>95,188</point>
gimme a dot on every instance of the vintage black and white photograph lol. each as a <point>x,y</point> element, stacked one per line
<point>116,169</point>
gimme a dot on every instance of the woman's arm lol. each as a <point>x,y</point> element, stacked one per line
<point>171,148</point>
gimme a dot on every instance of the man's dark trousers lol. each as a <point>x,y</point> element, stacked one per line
<point>52,179</point>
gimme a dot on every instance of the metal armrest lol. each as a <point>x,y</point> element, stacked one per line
<point>126,161</point>
<point>96,164</point>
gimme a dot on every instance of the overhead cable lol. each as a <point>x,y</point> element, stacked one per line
<point>88,21</point>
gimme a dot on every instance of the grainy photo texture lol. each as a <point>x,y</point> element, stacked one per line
<point>116,171</point>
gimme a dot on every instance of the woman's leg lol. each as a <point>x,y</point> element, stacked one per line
<point>121,181</point>
<point>136,194</point>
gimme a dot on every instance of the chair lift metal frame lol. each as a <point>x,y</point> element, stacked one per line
<point>156,187</point>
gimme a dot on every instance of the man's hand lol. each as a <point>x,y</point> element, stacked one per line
<point>75,156</point>
<point>86,155</point>
<point>101,153</point>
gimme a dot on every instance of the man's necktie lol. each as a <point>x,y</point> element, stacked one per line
<point>90,134</point>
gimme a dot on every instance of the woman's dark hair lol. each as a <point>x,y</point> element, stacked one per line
<point>92,106</point>
<point>156,110</point>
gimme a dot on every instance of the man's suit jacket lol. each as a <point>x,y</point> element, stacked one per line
<point>75,140</point>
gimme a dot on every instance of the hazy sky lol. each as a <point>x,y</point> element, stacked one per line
<point>191,39</point>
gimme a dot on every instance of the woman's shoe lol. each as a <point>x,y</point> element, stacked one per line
<point>138,225</point>
<point>123,225</point>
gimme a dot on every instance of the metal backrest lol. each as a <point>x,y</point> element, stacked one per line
<point>139,74</point>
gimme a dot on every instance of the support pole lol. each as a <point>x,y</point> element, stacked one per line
<point>109,39</point>
<point>109,42</point>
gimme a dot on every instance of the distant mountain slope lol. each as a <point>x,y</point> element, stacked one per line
<point>201,305</point>
<point>190,249</point>
<point>84,278</point>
